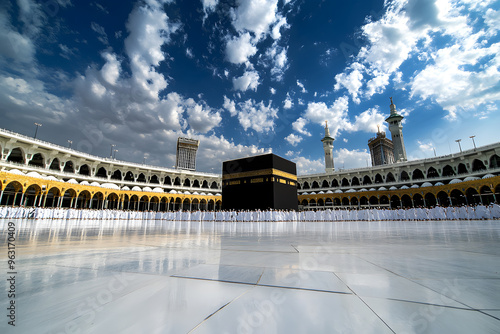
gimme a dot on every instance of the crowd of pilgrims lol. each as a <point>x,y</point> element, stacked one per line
<point>491,211</point>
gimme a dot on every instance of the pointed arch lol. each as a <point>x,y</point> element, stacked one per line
<point>448,171</point>
<point>55,165</point>
<point>16,155</point>
<point>102,172</point>
<point>432,173</point>
<point>390,178</point>
<point>167,181</point>
<point>494,161</point>
<point>69,167</point>
<point>141,178</point>
<point>84,170</point>
<point>154,179</point>
<point>117,175</point>
<point>129,176</point>
<point>478,165</point>
<point>354,181</point>
<point>37,160</point>
<point>417,174</point>
<point>462,169</point>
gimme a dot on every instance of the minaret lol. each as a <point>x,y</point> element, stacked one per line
<point>396,129</point>
<point>328,147</point>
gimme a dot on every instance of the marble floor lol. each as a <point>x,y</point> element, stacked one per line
<point>181,277</point>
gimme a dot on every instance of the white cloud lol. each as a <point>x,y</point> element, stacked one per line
<point>254,20</point>
<point>491,18</point>
<point>240,49</point>
<point>337,117</point>
<point>299,125</point>
<point>103,37</point>
<point>230,106</point>
<point>425,146</point>
<point>306,166</point>
<point>216,149</point>
<point>255,16</point>
<point>208,7</point>
<point>280,23</point>
<point>149,28</point>
<point>249,80</point>
<point>272,90</point>
<point>301,86</point>
<point>28,97</point>
<point>346,159</point>
<point>66,52</point>
<point>278,59</point>
<point>200,117</point>
<point>407,28</point>
<point>14,45</point>
<point>352,81</point>
<point>336,114</point>
<point>288,103</point>
<point>367,121</point>
<point>111,70</point>
<point>256,116</point>
<point>293,139</point>
<point>452,80</point>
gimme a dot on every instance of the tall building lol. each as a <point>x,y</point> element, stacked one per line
<point>396,128</point>
<point>381,149</point>
<point>328,147</point>
<point>186,153</point>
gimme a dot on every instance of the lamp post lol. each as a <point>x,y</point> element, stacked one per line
<point>69,143</point>
<point>459,146</point>
<point>114,155</point>
<point>36,129</point>
<point>111,152</point>
<point>144,161</point>
<point>473,142</point>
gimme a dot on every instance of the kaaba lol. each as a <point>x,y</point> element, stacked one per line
<point>259,182</point>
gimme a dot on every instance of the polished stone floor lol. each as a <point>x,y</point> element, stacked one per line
<point>180,277</point>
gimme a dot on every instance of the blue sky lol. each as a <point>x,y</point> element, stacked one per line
<point>247,77</point>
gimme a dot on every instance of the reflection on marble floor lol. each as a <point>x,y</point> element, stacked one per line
<point>179,277</point>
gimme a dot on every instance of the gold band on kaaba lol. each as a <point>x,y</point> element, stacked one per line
<point>261,172</point>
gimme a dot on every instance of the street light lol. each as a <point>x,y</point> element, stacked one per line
<point>111,152</point>
<point>36,129</point>
<point>69,143</point>
<point>144,161</point>
<point>473,142</point>
<point>114,155</point>
<point>459,146</point>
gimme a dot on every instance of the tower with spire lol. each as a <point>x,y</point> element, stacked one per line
<point>396,128</point>
<point>381,149</point>
<point>328,147</point>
